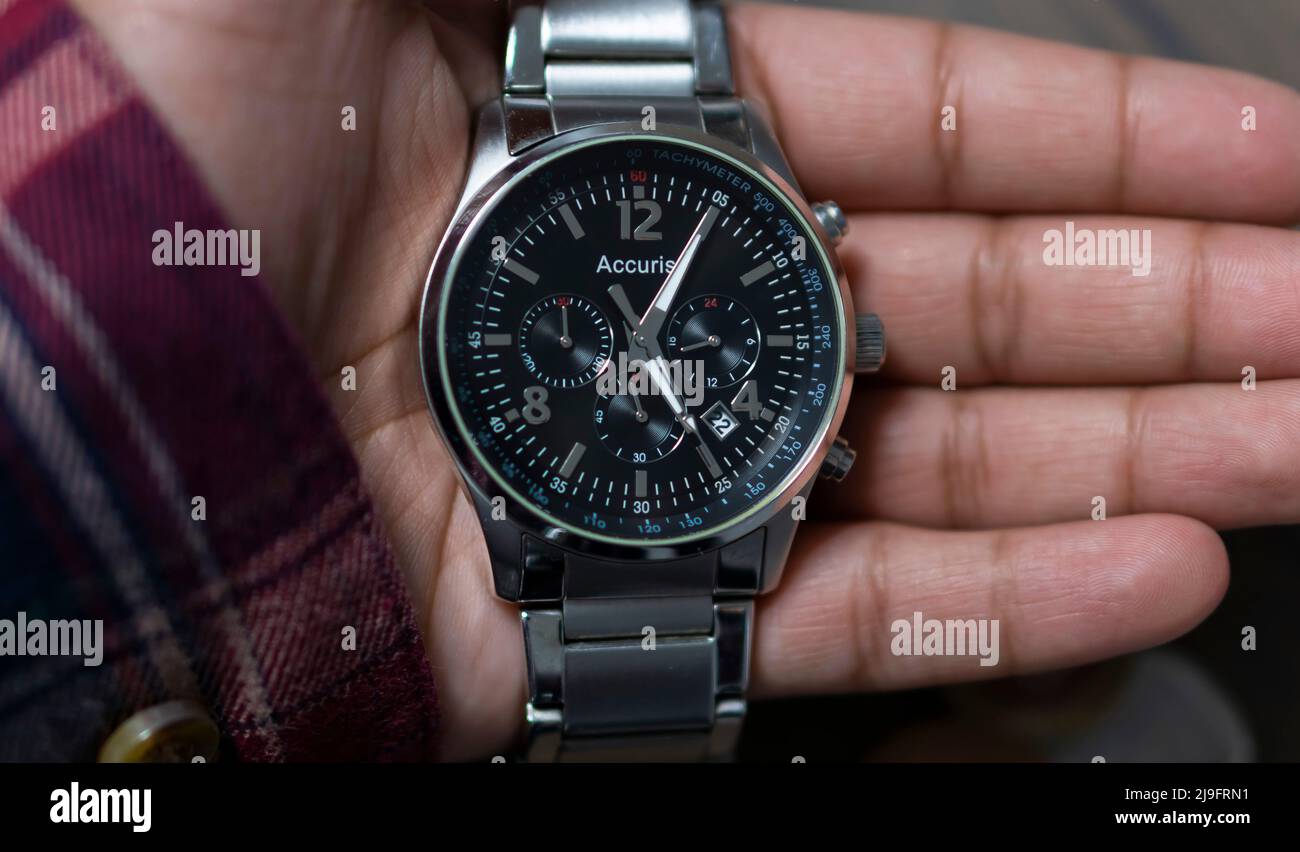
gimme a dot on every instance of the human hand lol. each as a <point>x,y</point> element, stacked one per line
<point>974,503</point>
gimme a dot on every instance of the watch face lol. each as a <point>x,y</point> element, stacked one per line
<point>640,340</point>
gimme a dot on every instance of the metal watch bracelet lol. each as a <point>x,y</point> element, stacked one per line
<point>636,661</point>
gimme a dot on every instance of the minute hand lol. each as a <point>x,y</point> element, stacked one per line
<point>653,321</point>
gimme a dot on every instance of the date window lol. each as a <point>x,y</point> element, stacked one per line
<point>721,420</point>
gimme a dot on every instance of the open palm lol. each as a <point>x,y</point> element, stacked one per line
<point>1071,382</point>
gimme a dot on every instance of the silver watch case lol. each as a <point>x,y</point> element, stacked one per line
<point>490,175</point>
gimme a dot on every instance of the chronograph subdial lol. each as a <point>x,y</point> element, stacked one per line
<point>718,332</point>
<point>565,340</point>
<point>637,428</point>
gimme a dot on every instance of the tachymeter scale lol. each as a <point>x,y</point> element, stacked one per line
<point>529,329</point>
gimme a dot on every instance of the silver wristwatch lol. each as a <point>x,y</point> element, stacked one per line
<point>638,344</point>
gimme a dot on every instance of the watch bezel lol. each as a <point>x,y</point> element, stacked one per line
<point>533,520</point>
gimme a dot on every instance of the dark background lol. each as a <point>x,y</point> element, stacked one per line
<point>1200,698</point>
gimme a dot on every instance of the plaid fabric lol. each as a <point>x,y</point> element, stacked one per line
<point>171,383</point>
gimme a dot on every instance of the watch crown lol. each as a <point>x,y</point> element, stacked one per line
<point>831,218</point>
<point>838,460</point>
<point>870,344</point>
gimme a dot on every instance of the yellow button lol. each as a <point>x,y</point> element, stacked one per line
<point>173,732</point>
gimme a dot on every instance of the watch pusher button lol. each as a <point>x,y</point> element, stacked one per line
<point>870,351</point>
<point>838,460</point>
<point>832,220</point>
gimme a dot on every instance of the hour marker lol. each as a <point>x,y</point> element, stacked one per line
<point>575,227</point>
<point>780,340</point>
<point>640,483</point>
<point>575,456</point>
<point>767,414</point>
<point>497,339</point>
<point>523,271</point>
<point>638,191</point>
<point>512,415</point>
<point>756,273</point>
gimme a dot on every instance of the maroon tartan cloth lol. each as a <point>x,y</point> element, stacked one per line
<point>170,383</point>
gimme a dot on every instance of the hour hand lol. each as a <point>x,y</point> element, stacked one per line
<point>631,320</point>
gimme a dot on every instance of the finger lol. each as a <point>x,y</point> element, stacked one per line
<point>467,33</point>
<point>1002,457</point>
<point>977,294</point>
<point>1062,596</point>
<point>857,100</point>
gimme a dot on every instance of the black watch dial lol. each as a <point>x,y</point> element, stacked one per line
<point>639,340</point>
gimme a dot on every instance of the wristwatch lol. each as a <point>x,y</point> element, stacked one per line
<point>636,342</point>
